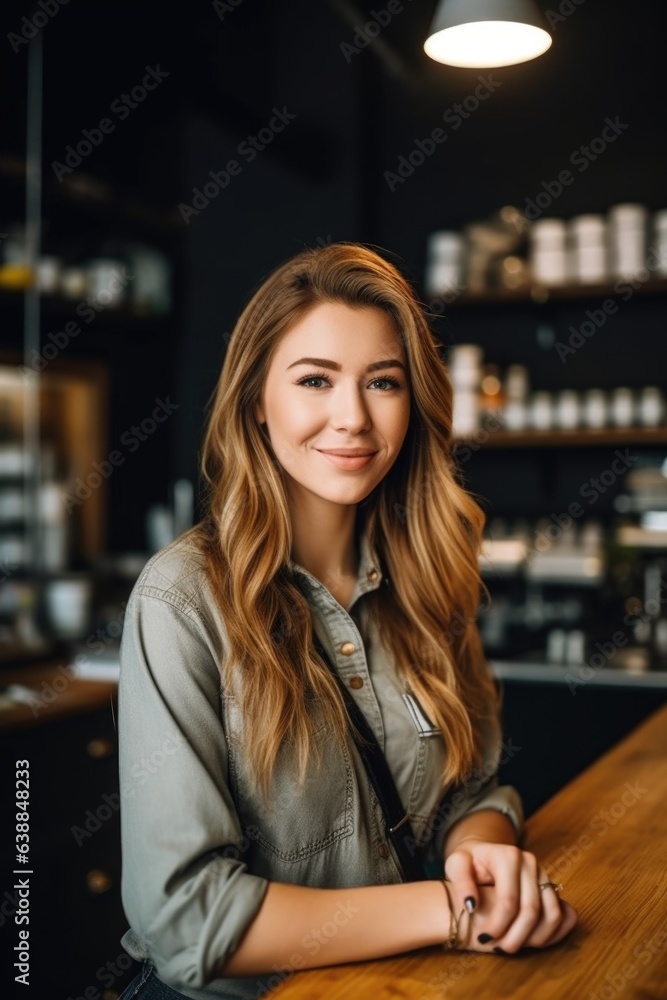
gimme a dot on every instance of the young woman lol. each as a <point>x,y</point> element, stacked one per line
<point>253,841</point>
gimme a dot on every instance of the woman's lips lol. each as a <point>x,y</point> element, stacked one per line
<point>350,462</point>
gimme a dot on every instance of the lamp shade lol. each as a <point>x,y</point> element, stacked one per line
<point>486,33</point>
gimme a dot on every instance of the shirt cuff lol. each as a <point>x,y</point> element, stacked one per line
<point>504,799</point>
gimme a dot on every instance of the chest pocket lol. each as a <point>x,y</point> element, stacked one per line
<point>295,821</point>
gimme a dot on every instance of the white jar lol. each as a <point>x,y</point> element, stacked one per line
<point>541,411</point>
<point>556,646</point>
<point>106,281</point>
<point>466,410</point>
<point>567,409</point>
<point>516,415</point>
<point>465,366</point>
<point>575,647</point>
<point>594,409</point>
<point>651,406</point>
<point>627,239</point>
<point>444,262</point>
<point>517,382</point>
<point>466,356</point>
<point>587,257</point>
<point>623,407</point>
<point>660,243</point>
<point>548,255</point>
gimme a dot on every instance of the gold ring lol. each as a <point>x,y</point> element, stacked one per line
<point>556,886</point>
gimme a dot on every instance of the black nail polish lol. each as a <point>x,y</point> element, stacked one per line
<point>484,938</point>
<point>470,904</point>
<point>499,951</point>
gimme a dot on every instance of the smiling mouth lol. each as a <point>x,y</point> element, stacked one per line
<point>349,461</point>
<point>355,453</point>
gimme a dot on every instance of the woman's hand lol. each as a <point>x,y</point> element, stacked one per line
<point>511,912</point>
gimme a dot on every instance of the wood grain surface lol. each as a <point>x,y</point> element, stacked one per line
<point>604,836</point>
<point>60,694</point>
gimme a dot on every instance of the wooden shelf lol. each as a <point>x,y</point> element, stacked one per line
<point>611,436</point>
<point>541,294</point>
<point>94,195</point>
<point>60,308</point>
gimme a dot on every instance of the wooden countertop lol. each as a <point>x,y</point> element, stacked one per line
<point>605,837</point>
<point>59,692</point>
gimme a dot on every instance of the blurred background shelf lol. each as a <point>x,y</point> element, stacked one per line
<point>611,437</point>
<point>95,196</point>
<point>542,294</point>
<point>579,675</point>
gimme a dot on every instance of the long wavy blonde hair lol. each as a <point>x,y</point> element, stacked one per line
<point>425,527</point>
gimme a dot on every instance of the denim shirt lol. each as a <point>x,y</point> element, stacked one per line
<point>199,844</point>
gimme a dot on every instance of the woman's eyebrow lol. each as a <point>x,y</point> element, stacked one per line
<point>325,363</point>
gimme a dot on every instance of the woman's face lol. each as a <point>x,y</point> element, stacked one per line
<point>338,381</point>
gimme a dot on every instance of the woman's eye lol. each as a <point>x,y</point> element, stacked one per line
<point>392,383</point>
<point>312,378</point>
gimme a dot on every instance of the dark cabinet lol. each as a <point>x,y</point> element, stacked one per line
<point>76,916</point>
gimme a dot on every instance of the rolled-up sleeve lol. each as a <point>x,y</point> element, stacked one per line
<point>464,801</point>
<point>482,790</point>
<point>185,887</point>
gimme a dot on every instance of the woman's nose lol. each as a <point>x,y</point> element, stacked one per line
<point>349,409</point>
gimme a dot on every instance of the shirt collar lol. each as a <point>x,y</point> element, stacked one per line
<point>370,569</point>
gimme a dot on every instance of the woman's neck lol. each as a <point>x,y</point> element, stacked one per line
<point>324,542</point>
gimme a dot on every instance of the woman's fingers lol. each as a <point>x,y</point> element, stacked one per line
<point>501,908</point>
<point>461,879</point>
<point>552,916</point>
<point>569,919</point>
<point>512,912</point>
<point>539,917</point>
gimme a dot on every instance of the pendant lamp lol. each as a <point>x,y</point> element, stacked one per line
<point>486,33</point>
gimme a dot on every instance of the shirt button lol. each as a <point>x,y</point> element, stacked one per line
<point>347,648</point>
<point>383,851</point>
<point>373,575</point>
<point>356,682</point>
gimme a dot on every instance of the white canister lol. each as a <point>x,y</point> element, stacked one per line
<point>627,239</point>
<point>575,647</point>
<point>516,415</point>
<point>651,406</point>
<point>444,262</point>
<point>660,243</point>
<point>548,254</point>
<point>541,411</point>
<point>587,256</point>
<point>68,604</point>
<point>556,646</point>
<point>594,409</point>
<point>465,366</point>
<point>567,409</point>
<point>517,382</point>
<point>48,274</point>
<point>466,412</point>
<point>466,356</point>
<point>73,282</point>
<point>106,279</point>
<point>623,407</point>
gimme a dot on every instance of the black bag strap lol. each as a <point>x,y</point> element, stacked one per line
<point>397,819</point>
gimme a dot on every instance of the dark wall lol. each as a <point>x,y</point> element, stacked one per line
<point>301,190</point>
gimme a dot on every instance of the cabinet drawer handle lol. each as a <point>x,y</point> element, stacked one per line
<point>98,881</point>
<point>100,748</point>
